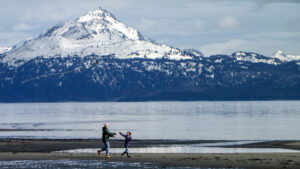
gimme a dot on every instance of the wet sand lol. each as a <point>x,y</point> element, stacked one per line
<point>48,145</point>
<point>19,149</point>
<point>265,160</point>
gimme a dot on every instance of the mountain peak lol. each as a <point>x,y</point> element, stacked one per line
<point>96,14</point>
<point>97,32</point>
<point>279,52</point>
<point>101,21</point>
<point>285,58</point>
<point>98,25</point>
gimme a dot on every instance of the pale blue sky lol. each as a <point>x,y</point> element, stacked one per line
<point>212,26</point>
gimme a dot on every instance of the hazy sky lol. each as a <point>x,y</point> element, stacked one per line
<point>212,26</point>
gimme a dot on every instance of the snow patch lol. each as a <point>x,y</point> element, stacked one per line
<point>285,58</point>
<point>5,49</point>
<point>254,58</point>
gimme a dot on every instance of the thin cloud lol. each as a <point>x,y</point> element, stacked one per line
<point>223,47</point>
<point>229,22</point>
<point>146,24</point>
<point>12,38</point>
<point>275,1</point>
<point>200,24</point>
<point>258,1</point>
<point>22,27</point>
<point>266,43</point>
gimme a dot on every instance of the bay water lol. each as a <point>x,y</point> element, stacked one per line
<point>195,120</point>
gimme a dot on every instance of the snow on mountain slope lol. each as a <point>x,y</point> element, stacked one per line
<point>285,58</point>
<point>4,49</point>
<point>254,58</point>
<point>97,32</point>
<point>278,58</point>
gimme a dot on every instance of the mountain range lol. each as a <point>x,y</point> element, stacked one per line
<point>97,58</point>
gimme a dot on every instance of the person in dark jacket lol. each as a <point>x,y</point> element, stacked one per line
<point>106,134</point>
<point>126,143</point>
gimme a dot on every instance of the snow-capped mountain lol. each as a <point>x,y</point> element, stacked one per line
<point>96,57</point>
<point>97,32</point>
<point>255,58</point>
<point>278,58</point>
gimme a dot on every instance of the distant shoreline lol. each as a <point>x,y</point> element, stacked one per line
<point>142,101</point>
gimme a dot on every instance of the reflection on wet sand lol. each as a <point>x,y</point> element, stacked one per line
<point>193,148</point>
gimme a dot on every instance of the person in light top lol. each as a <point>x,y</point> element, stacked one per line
<point>126,143</point>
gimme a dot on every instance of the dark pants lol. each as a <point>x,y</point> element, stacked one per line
<point>126,152</point>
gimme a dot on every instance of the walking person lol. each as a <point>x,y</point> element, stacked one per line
<point>126,143</point>
<point>106,134</point>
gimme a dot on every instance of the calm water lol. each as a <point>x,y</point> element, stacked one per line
<point>246,120</point>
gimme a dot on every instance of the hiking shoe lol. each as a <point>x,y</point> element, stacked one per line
<point>107,156</point>
<point>99,153</point>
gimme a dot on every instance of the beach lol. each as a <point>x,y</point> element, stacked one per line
<point>47,149</point>
<point>248,134</point>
